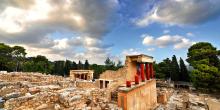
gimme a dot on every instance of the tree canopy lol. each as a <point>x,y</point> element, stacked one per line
<point>14,59</point>
<point>203,57</point>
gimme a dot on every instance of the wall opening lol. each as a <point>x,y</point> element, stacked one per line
<point>106,84</point>
<point>101,84</point>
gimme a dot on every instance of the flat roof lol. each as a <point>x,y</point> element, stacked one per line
<point>139,55</point>
<point>82,70</point>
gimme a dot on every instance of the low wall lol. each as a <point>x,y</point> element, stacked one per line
<point>138,97</point>
<point>85,84</point>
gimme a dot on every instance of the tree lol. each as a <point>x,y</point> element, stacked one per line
<point>5,57</point>
<point>40,58</point>
<point>74,66</point>
<point>38,64</point>
<point>184,74</point>
<point>98,69</point>
<point>203,57</point>
<point>163,69</point>
<point>18,53</point>
<point>80,65</point>
<point>119,64</point>
<point>67,67</point>
<point>59,68</point>
<point>86,65</point>
<point>174,69</point>
<point>109,64</point>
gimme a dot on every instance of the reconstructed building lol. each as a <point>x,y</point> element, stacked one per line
<point>134,83</point>
<point>140,91</point>
<point>81,74</point>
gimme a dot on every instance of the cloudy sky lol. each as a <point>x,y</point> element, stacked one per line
<point>97,29</point>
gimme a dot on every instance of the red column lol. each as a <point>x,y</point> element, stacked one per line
<point>138,71</point>
<point>136,79</point>
<point>128,83</point>
<point>153,73</point>
<point>151,70</point>
<point>142,72</point>
<point>147,71</point>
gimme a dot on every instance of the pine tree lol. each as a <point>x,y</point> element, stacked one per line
<point>109,64</point>
<point>174,69</point>
<point>86,65</point>
<point>204,58</point>
<point>119,65</point>
<point>184,75</point>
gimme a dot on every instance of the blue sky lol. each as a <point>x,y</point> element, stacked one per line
<point>95,30</point>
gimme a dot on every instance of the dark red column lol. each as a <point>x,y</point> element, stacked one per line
<point>147,71</point>
<point>142,72</point>
<point>151,70</point>
<point>138,73</point>
<point>128,83</point>
<point>136,79</point>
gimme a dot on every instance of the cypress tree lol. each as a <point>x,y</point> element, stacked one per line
<point>80,65</point>
<point>67,67</point>
<point>184,75</point>
<point>174,69</point>
<point>86,65</point>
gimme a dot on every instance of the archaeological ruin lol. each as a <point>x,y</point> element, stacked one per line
<point>82,74</point>
<point>132,87</point>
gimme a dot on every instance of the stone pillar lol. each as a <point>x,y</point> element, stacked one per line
<point>147,71</point>
<point>142,72</point>
<point>151,70</point>
<point>82,76</point>
<point>103,84</point>
<point>86,76</point>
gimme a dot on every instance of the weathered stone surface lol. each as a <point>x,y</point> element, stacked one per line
<point>35,91</point>
<point>12,95</point>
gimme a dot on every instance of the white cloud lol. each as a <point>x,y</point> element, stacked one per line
<point>148,40</point>
<point>167,40</point>
<point>131,51</point>
<point>150,49</point>
<point>61,44</point>
<point>185,43</point>
<point>166,31</point>
<point>189,34</point>
<point>32,24</point>
<point>181,12</point>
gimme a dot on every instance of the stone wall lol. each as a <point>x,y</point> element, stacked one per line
<point>86,84</point>
<point>114,75</point>
<point>138,97</point>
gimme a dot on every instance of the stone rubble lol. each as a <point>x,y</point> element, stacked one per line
<point>36,91</point>
<point>186,100</point>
